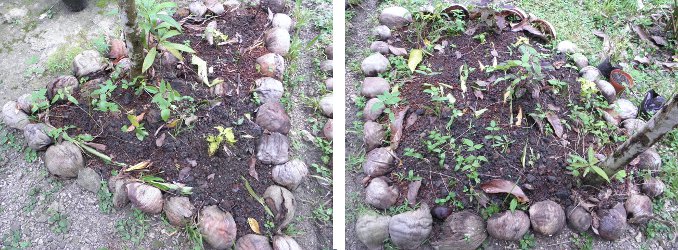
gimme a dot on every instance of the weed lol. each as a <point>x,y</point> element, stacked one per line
<point>557,85</point>
<point>434,145</point>
<point>582,241</point>
<point>322,170</point>
<point>470,165</point>
<point>61,60</point>
<point>194,236</point>
<point>326,148</point>
<point>409,177</point>
<point>13,240</point>
<point>30,155</point>
<point>322,214</point>
<point>39,100</point>
<point>104,92</point>
<point>32,199</point>
<point>411,153</point>
<point>166,99</point>
<point>58,222</point>
<point>527,242</point>
<point>580,166</point>
<point>135,125</point>
<point>163,185</point>
<point>134,227</point>
<point>405,207</point>
<point>451,197</point>
<point>502,141</point>
<point>105,198</point>
<point>215,141</point>
<point>489,210</point>
<point>62,94</point>
<point>99,43</point>
<point>388,100</point>
<point>480,37</point>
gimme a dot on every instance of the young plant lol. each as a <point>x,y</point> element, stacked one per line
<point>451,197</point>
<point>580,166</point>
<point>62,94</point>
<point>104,92</point>
<point>434,145</point>
<point>411,153</point>
<point>409,177</point>
<point>39,100</point>
<point>225,134</point>
<point>158,26</point>
<point>135,126</point>
<point>388,100</point>
<point>166,98</point>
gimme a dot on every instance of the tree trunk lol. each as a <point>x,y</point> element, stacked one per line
<point>661,123</point>
<point>132,35</point>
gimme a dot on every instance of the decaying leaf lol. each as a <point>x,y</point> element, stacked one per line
<point>160,140</point>
<point>253,171</point>
<point>519,118</point>
<point>97,146</point>
<point>643,35</point>
<point>397,127</point>
<point>139,166</point>
<point>202,68</point>
<point>496,186</point>
<point>555,123</point>
<point>416,56</point>
<point>254,225</point>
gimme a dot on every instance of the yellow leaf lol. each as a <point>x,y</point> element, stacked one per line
<point>173,123</point>
<point>416,55</point>
<point>139,166</point>
<point>520,116</point>
<point>254,225</point>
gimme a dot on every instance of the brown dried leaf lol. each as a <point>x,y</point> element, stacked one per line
<point>660,40</point>
<point>254,225</point>
<point>478,94</point>
<point>130,128</point>
<point>555,123</point>
<point>160,140</point>
<point>496,186</point>
<point>97,146</point>
<point>397,127</point>
<point>643,35</point>
<point>118,49</point>
<point>253,171</point>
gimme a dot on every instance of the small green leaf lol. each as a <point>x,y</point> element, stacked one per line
<point>416,56</point>
<point>150,58</point>
<point>513,205</point>
<point>165,114</point>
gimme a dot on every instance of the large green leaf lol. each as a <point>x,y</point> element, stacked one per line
<point>169,20</point>
<point>150,58</point>
<point>600,172</point>
<point>179,47</point>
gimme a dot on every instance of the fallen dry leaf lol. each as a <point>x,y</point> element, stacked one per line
<point>496,186</point>
<point>643,35</point>
<point>118,49</point>
<point>555,123</point>
<point>160,140</point>
<point>520,116</point>
<point>254,225</point>
<point>478,94</point>
<point>397,127</point>
<point>139,166</point>
<point>97,146</point>
<point>253,171</point>
<point>660,40</point>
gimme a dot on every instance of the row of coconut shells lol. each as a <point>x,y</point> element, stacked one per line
<point>466,229</point>
<point>218,228</point>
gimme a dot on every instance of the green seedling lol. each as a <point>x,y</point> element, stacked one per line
<point>214,141</point>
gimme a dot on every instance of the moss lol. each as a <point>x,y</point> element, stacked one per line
<point>62,59</point>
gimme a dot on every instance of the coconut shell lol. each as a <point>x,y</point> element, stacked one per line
<point>547,217</point>
<point>282,204</point>
<point>639,209</point>
<point>372,230</point>
<point>578,218</point>
<point>612,223</point>
<point>217,227</point>
<point>653,187</point>
<point>284,242</point>
<point>380,195</point>
<point>290,174</point>
<point>409,230</point>
<point>462,230</point>
<point>378,162</point>
<point>253,242</point>
<point>178,210</point>
<point>508,225</point>
<point>146,198</point>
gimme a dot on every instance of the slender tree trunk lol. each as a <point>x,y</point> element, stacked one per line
<point>661,123</point>
<point>132,35</point>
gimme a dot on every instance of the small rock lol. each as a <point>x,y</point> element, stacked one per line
<point>326,105</point>
<point>547,217</point>
<point>280,200</point>
<point>178,210</point>
<point>146,198</point>
<point>271,65</point>
<point>277,6</point>
<point>118,186</point>
<point>269,89</point>
<point>580,60</point>
<point>37,137</point>
<point>653,187</point>
<point>650,160</point>
<point>326,66</point>
<point>380,195</point>
<point>374,64</point>
<point>67,84</point>
<point>282,21</point>
<point>273,149</point>
<point>462,230</point>
<point>632,126</point>
<point>590,73</point>
<point>329,84</point>
<point>197,8</point>
<point>284,242</point>
<point>253,242</point>
<point>567,47</point>
<point>13,116</point>
<point>89,179</point>
<point>612,224</point>
<point>372,230</point>
<point>231,4</point>
<point>382,32</point>
<point>380,47</point>
<point>374,86</point>
<point>409,230</point>
<point>395,17</point>
<point>578,218</point>
<point>607,90</point>
<point>412,192</point>
<point>441,212</point>
<point>329,52</point>
<point>370,112</point>
<point>327,130</point>
<point>215,7</point>
<point>88,62</point>
<point>218,228</point>
<point>25,103</point>
<point>290,174</point>
<point>374,134</point>
<point>508,225</point>
<point>278,41</point>
<point>271,116</point>
<point>378,162</point>
<point>639,209</point>
<point>64,159</point>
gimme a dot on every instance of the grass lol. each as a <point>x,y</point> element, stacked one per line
<point>105,198</point>
<point>14,240</point>
<point>134,227</point>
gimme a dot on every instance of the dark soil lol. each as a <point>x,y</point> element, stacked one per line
<point>547,176</point>
<point>182,158</point>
